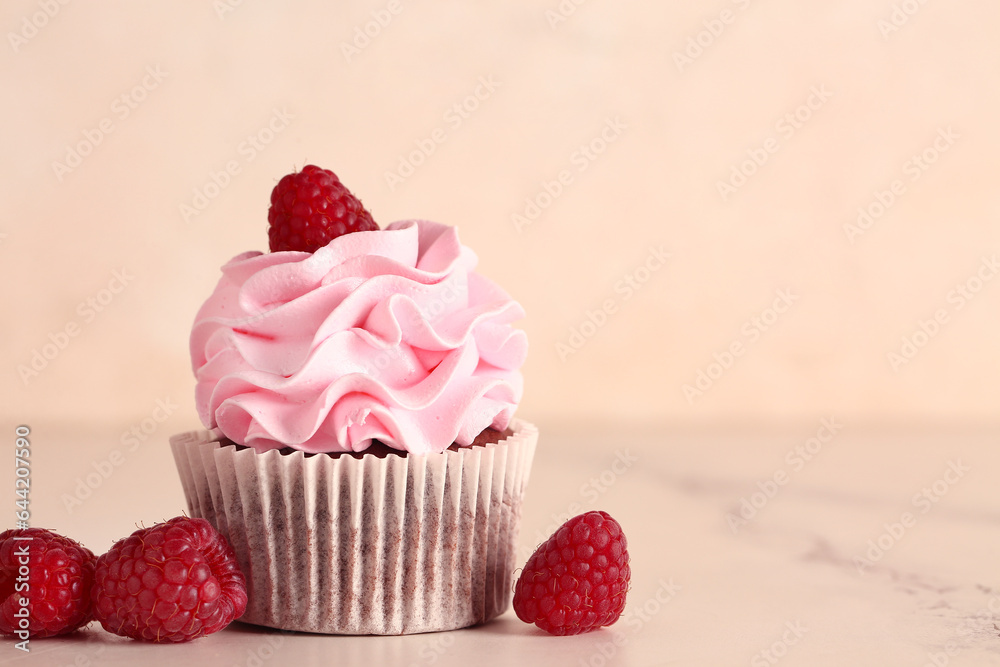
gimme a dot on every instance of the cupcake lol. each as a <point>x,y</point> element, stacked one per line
<point>358,388</point>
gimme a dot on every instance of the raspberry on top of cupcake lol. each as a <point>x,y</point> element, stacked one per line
<point>346,334</point>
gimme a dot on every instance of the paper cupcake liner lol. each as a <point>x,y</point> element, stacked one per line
<point>369,545</point>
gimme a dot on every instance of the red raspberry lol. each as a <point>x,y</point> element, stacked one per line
<point>60,572</point>
<point>577,579</point>
<point>171,582</point>
<point>312,207</point>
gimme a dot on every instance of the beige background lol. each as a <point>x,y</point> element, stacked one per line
<point>200,83</point>
<point>683,128</point>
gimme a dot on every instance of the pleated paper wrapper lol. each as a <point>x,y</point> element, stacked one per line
<point>344,545</point>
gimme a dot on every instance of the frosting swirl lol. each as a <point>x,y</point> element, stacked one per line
<point>387,335</point>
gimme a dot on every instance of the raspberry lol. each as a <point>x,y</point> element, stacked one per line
<point>60,572</point>
<point>171,582</point>
<point>312,207</point>
<point>577,579</point>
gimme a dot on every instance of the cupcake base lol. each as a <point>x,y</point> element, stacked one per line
<point>343,545</point>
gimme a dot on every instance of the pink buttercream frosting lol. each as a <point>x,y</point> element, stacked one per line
<point>387,335</point>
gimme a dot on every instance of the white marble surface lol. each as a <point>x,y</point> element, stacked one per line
<point>787,587</point>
